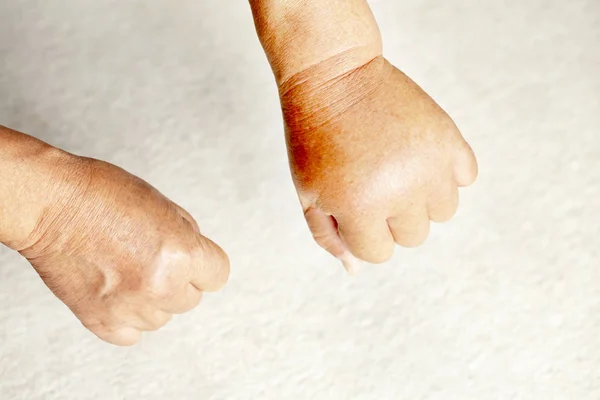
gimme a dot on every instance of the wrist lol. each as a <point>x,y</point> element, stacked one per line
<point>299,35</point>
<point>320,95</point>
<point>35,177</point>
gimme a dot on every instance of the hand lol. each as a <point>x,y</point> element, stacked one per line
<point>119,254</point>
<point>373,158</point>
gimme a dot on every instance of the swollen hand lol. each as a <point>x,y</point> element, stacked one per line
<point>373,157</point>
<point>118,253</point>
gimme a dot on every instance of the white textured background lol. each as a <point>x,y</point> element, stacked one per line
<point>501,303</point>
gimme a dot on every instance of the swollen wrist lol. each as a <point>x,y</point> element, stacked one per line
<point>317,95</point>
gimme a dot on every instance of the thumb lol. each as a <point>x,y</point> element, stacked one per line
<point>210,265</point>
<point>325,232</point>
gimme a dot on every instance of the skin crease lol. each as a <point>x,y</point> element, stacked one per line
<point>118,253</point>
<point>373,157</point>
<point>383,160</point>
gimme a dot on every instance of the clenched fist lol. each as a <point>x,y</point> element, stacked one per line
<point>373,157</point>
<point>118,253</point>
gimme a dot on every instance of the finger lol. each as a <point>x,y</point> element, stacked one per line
<point>368,238</point>
<point>465,165</point>
<point>410,229</point>
<point>210,265</point>
<point>119,336</point>
<point>443,202</point>
<point>151,320</point>
<point>325,232</point>
<point>187,216</point>
<point>135,312</point>
<point>189,298</point>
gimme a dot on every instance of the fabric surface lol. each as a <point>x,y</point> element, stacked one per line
<point>503,302</point>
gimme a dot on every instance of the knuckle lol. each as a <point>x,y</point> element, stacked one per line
<point>168,271</point>
<point>173,254</point>
<point>161,289</point>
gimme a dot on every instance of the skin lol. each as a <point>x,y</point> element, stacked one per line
<point>373,157</point>
<point>119,254</point>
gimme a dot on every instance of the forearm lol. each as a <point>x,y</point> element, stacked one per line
<point>28,184</point>
<point>300,34</point>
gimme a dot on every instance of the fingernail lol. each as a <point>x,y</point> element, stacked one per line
<point>351,263</point>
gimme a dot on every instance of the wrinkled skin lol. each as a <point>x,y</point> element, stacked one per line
<point>119,254</point>
<point>373,157</point>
